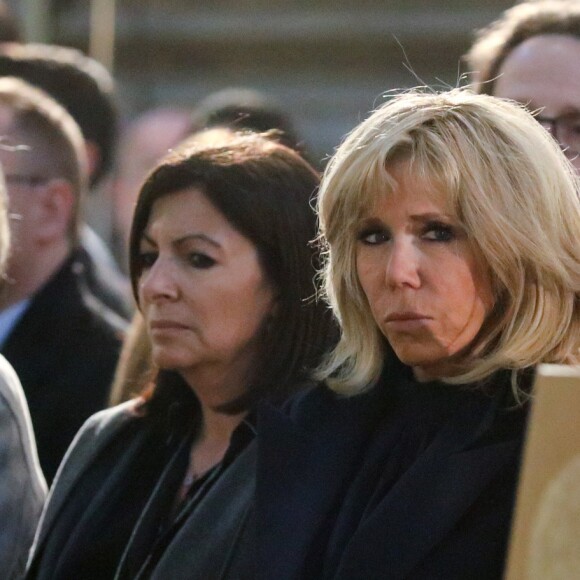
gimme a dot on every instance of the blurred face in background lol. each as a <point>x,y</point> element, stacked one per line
<point>27,203</point>
<point>543,73</point>
<point>146,140</point>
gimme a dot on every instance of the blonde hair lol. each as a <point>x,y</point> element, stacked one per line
<point>135,369</point>
<point>514,193</point>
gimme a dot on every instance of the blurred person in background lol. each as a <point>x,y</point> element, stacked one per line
<point>531,54</point>
<point>222,269</point>
<point>150,135</point>
<point>245,109</point>
<point>22,485</point>
<point>143,142</point>
<point>86,90</point>
<point>62,341</point>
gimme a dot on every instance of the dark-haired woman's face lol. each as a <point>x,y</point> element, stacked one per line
<point>202,291</point>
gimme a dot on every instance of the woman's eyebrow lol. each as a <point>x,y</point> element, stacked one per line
<point>183,239</point>
<point>196,237</point>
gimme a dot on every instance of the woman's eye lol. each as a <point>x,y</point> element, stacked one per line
<point>439,232</point>
<point>201,261</point>
<point>373,237</point>
<point>146,260</point>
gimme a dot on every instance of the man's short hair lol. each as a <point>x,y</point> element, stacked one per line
<point>494,43</point>
<point>82,85</point>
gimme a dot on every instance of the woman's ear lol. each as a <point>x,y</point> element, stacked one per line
<point>56,208</point>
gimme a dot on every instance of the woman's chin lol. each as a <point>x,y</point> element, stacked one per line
<point>171,361</point>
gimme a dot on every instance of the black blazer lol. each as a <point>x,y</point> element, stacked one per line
<point>448,516</point>
<point>64,350</point>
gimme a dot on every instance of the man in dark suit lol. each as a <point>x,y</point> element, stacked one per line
<point>62,341</point>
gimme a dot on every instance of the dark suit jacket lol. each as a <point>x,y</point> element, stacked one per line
<point>64,350</point>
<point>447,517</point>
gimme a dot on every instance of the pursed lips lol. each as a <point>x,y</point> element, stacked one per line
<point>405,316</point>
<point>167,325</point>
<point>405,321</point>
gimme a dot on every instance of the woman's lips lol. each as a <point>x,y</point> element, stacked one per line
<point>396,316</point>
<point>166,325</point>
<point>406,320</point>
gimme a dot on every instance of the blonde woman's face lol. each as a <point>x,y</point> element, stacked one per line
<point>425,287</point>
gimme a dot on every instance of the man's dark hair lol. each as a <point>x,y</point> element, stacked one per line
<point>244,109</point>
<point>79,83</point>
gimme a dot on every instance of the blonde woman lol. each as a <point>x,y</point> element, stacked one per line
<point>451,226</point>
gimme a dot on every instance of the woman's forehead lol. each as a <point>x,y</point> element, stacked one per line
<point>404,178</point>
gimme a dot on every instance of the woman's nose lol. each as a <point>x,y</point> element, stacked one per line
<point>402,269</point>
<point>159,282</point>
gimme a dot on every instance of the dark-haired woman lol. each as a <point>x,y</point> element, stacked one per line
<point>222,270</point>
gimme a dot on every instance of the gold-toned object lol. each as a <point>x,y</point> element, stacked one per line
<point>545,541</point>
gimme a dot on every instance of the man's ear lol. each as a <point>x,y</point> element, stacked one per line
<point>56,207</point>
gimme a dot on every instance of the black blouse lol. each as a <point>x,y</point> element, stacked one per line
<point>416,414</point>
